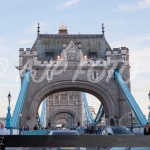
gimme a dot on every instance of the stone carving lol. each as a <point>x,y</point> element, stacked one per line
<point>71,55</point>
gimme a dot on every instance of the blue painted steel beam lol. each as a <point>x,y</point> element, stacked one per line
<point>87,110</point>
<point>43,113</point>
<point>89,116</point>
<point>99,115</point>
<point>20,100</point>
<point>130,99</point>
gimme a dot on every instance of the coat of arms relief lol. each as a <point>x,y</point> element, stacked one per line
<point>72,52</point>
<point>71,55</point>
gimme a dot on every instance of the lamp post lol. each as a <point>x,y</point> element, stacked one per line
<point>20,115</point>
<point>8,117</point>
<point>9,97</point>
<point>149,109</point>
<point>149,95</point>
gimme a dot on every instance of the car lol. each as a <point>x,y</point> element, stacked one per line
<point>116,130</point>
<point>63,133</point>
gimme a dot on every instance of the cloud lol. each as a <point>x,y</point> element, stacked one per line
<point>2,40</point>
<point>131,40</point>
<point>24,41</point>
<point>142,4</point>
<point>66,4</point>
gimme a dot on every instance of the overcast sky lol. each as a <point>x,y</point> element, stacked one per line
<point>127,23</point>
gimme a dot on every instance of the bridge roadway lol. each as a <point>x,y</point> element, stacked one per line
<point>42,148</point>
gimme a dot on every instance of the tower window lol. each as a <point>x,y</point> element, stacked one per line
<point>49,75</point>
<point>95,75</point>
<point>95,72</point>
<point>74,97</point>
<point>93,55</point>
<point>124,58</point>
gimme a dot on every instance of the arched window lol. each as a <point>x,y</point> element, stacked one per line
<point>75,97</point>
<point>49,75</point>
<point>112,122</point>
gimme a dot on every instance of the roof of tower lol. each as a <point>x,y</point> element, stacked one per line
<point>54,43</point>
<point>63,29</point>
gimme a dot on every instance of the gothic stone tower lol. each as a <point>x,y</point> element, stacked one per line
<point>74,62</point>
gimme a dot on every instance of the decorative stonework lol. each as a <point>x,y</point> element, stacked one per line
<point>71,55</point>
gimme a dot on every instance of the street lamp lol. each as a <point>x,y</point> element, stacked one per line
<point>9,97</point>
<point>149,109</point>
<point>8,117</point>
<point>20,115</point>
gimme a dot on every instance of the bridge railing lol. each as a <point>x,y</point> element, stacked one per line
<point>138,130</point>
<point>35,132</point>
<point>13,130</point>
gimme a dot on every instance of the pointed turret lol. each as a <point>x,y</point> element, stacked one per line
<point>63,29</point>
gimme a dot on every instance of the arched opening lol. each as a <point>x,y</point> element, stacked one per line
<point>69,117</point>
<point>112,122</point>
<point>62,123</point>
<point>90,88</point>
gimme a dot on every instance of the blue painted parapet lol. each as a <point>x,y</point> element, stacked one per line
<point>81,131</point>
<point>35,132</point>
<point>130,99</point>
<point>20,100</point>
<point>13,131</point>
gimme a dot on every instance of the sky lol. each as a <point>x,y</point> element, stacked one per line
<point>127,24</point>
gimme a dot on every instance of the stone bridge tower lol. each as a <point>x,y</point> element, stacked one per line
<point>74,62</point>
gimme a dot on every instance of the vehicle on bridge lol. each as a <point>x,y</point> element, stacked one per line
<point>63,133</point>
<point>116,130</point>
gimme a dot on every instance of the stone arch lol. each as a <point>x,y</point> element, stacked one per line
<point>83,86</point>
<point>58,121</point>
<point>67,111</point>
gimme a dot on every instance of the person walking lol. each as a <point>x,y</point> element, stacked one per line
<point>3,131</point>
<point>147,129</point>
<point>85,129</point>
<point>27,128</point>
<point>89,129</point>
<point>92,129</point>
<point>36,127</point>
<point>96,129</point>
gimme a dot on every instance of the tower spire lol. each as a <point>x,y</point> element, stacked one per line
<point>103,29</point>
<point>38,31</point>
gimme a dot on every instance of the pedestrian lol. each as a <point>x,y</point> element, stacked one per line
<point>89,129</point>
<point>3,131</point>
<point>23,128</point>
<point>36,127</point>
<point>85,129</point>
<point>27,128</point>
<point>99,129</point>
<point>92,129</point>
<point>96,129</point>
<point>147,129</point>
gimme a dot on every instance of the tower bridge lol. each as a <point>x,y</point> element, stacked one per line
<point>62,63</point>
